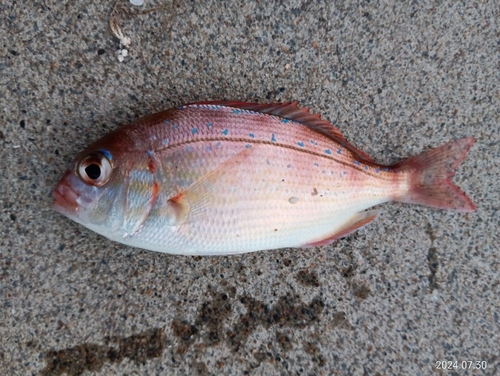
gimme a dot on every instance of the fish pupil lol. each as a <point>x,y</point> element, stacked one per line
<point>93,171</point>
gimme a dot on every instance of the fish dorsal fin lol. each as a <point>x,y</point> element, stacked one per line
<point>291,111</point>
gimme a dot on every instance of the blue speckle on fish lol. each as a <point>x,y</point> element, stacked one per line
<point>357,163</point>
<point>247,145</point>
<point>225,132</point>
<point>209,125</point>
<point>194,131</point>
<point>273,138</point>
<point>165,141</point>
<point>339,151</point>
<point>251,135</point>
<point>300,144</point>
<point>107,154</point>
<point>214,107</point>
<point>328,151</point>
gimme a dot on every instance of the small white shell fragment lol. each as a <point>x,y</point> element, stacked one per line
<point>120,54</point>
<point>136,2</point>
<point>293,200</point>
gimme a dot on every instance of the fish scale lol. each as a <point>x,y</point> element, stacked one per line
<point>219,178</point>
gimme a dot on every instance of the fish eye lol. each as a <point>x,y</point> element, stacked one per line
<point>95,169</point>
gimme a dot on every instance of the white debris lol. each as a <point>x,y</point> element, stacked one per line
<point>115,26</point>
<point>121,53</point>
<point>136,2</point>
<point>435,295</point>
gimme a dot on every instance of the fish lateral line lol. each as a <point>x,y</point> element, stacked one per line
<point>374,169</point>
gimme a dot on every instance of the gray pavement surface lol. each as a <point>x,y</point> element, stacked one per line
<point>416,287</point>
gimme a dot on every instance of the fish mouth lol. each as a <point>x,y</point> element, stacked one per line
<point>65,199</point>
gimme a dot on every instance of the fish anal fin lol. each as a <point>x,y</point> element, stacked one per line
<point>291,111</point>
<point>357,222</point>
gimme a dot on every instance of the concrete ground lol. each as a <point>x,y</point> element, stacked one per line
<point>417,287</point>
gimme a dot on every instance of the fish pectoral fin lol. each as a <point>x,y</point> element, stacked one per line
<point>206,192</point>
<point>358,221</point>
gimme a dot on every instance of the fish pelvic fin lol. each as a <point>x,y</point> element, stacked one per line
<point>431,173</point>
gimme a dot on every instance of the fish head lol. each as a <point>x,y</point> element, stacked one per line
<point>109,186</point>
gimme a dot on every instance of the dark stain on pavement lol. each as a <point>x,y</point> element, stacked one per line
<point>200,368</point>
<point>91,357</point>
<point>210,326</point>
<point>361,291</point>
<point>307,278</point>
<point>287,312</point>
<point>211,316</point>
<point>340,320</point>
<point>313,350</point>
<point>284,339</point>
<point>432,260</point>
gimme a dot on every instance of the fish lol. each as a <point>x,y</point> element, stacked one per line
<point>230,177</point>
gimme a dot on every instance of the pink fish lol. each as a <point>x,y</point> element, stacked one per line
<point>220,178</point>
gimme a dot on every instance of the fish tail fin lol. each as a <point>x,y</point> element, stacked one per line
<point>431,173</point>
